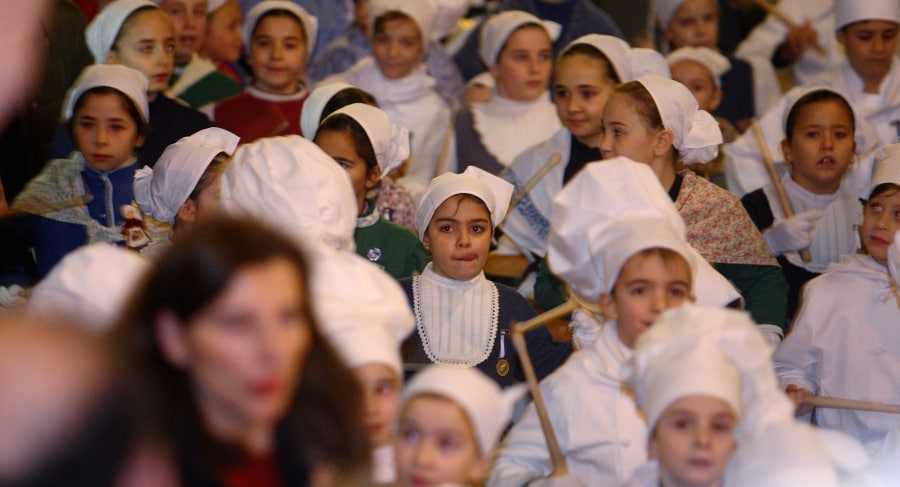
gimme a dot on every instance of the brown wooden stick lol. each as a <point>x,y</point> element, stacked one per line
<point>778,14</point>
<point>552,162</point>
<point>852,404</point>
<point>783,200</point>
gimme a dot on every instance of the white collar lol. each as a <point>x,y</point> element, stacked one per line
<point>301,93</point>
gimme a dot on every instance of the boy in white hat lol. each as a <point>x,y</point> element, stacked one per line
<point>395,76</point>
<point>844,339</point>
<point>867,79</point>
<point>450,421</point>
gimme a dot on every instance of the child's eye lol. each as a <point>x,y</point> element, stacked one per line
<point>637,290</point>
<point>560,93</point>
<point>875,207</point>
<point>408,43</point>
<point>86,124</point>
<point>588,94</point>
<point>811,134</point>
<point>448,443</point>
<point>520,56</point>
<point>384,389</point>
<point>722,426</point>
<point>840,134</point>
<point>446,228</point>
<point>544,56</point>
<point>478,228</point>
<point>410,435</point>
<point>170,47</point>
<point>118,128</point>
<point>678,292</point>
<point>291,45</point>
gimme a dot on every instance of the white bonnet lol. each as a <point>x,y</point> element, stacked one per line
<point>847,12</point>
<point>489,408</point>
<point>422,12</point>
<point>628,63</point>
<point>498,28</point>
<point>448,14</point>
<point>887,166</point>
<point>213,5</point>
<point>492,190</point>
<point>714,62</point>
<point>162,190</point>
<point>289,183</point>
<point>103,30</point>
<point>91,284</point>
<point>311,112</point>
<point>389,140</point>
<point>664,10</point>
<point>309,22</point>
<point>697,134</point>
<point>131,82</point>
<point>604,197</point>
<point>362,312</point>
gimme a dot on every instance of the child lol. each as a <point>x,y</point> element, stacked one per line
<point>184,186</point>
<point>462,318</point>
<point>586,72</point>
<point>196,81</point>
<point>223,38</point>
<point>393,201</point>
<point>395,76</point>
<point>819,145</point>
<point>279,36</point>
<point>450,421</point>
<point>342,53</point>
<point>843,341</point>
<point>517,47</point>
<point>138,34</point>
<point>626,256</point>
<point>750,86</point>
<point>365,143</point>
<point>867,29</point>
<point>655,121</point>
<point>79,198</point>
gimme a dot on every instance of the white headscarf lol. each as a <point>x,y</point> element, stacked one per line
<point>449,12</point>
<point>289,183</point>
<point>213,5</point>
<point>628,63</point>
<point>847,12</point>
<point>162,190</point>
<point>697,134</point>
<point>389,140</point>
<point>130,82</point>
<point>311,113</point>
<point>715,63</point>
<point>422,12</point>
<point>498,28</point>
<point>310,23</point>
<point>492,190</point>
<point>102,32</point>
<point>664,10</point>
<point>887,166</point>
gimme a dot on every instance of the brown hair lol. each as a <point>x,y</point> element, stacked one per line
<point>344,123</point>
<point>671,259</point>
<point>210,174</point>
<point>590,51</point>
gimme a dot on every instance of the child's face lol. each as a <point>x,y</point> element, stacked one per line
<point>104,131</point>
<point>524,65</point>
<point>339,145</point>
<point>436,445</point>
<point>223,36</point>
<point>381,393</point>
<point>699,81</point>
<point>821,148</point>
<point>693,441</point>
<point>870,47</point>
<point>189,18</point>
<point>278,54</point>
<point>881,220</point>
<point>647,285</point>
<point>459,237</point>
<point>625,133</point>
<point>397,48</point>
<point>147,45</point>
<point>695,24</point>
<point>580,91</point>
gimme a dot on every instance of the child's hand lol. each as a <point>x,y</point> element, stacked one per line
<point>798,40</point>
<point>798,395</point>
<point>794,233</point>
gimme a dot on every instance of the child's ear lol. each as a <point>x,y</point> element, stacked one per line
<point>608,307</point>
<point>372,177</point>
<point>426,242</point>
<point>478,471</point>
<point>664,142</point>
<point>716,100</point>
<point>786,151</point>
<point>187,212</point>
<point>170,337</point>
<point>111,57</point>
<point>139,141</point>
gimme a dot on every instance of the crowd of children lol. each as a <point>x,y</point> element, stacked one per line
<point>279,261</point>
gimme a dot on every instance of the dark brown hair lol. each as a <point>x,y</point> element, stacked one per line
<point>210,174</point>
<point>347,96</point>
<point>592,52</point>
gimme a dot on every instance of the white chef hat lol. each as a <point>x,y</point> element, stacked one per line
<point>847,12</point>
<point>91,284</point>
<point>592,234</point>
<point>102,32</point>
<point>311,113</point>
<point>449,12</point>
<point>422,12</point>
<point>162,190</point>
<point>292,185</point>
<point>363,312</point>
<point>887,166</point>
<point>497,29</point>
<point>492,190</point>
<point>664,10</point>
<point>627,62</point>
<point>714,62</point>
<point>131,82</point>
<point>489,408</point>
<point>309,22</point>
<point>697,134</point>
<point>213,5</point>
<point>389,140</point>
